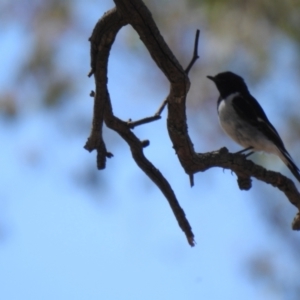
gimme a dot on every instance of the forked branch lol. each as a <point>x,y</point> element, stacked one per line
<point>135,13</point>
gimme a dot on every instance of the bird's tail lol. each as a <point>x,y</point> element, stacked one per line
<point>287,159</point>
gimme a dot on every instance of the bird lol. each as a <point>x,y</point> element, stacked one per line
<point>243,119</point>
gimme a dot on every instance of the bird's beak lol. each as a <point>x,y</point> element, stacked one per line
<point>211,78</point>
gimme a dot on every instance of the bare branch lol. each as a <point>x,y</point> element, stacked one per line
<point>101,41</point>
<point>161,108</point>
<point>135,13</point>
<point>143,121</point>
<point>191,180</point>
<point>195,54</point>
<point>157,116</point>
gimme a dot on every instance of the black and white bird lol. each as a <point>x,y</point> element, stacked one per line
<point>243,119</point>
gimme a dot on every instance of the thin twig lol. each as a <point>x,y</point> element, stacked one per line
<point>165,102</point>
<point>195,54</point>
<point>143,121</point>
<point>157,116</point>
<point>187,70</point>
<point>161,108</point>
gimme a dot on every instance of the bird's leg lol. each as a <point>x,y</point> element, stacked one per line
<point>244,150</point>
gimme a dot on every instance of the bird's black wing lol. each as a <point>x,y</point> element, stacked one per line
<point>250,110</point>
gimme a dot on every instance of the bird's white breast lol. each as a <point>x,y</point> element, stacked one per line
<point>241,131</point>
<point>229,119</point>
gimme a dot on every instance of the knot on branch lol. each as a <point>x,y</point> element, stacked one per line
<point>223,151</point>
<point>102,154</point>
<point>244,183</point>
<point>101,158</point>
<point>145,143</point>
<point>296,222</point>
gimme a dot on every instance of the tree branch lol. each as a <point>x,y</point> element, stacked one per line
<point>101,40</point>
<point>135,13</point>
<point>195,54</point>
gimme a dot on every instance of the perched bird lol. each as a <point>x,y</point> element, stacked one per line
<point>243,119</point>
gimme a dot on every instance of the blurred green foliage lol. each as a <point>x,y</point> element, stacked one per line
<point>233,33</point>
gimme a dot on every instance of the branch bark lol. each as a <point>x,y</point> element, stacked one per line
<point>135,13</point>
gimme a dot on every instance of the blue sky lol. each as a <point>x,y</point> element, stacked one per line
<point>61,240</point>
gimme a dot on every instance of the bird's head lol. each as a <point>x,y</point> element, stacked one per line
<point>228,83</point>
